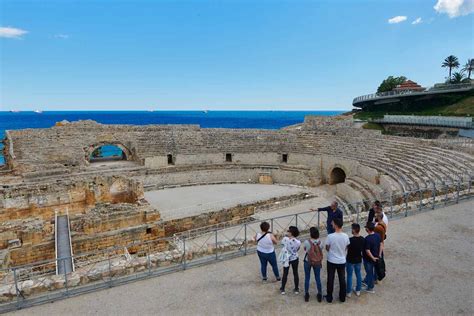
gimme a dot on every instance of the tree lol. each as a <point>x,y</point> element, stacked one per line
<point>469,67</point>
<point>458,77</point>
<point>390,83</point>
<point>450,62</point>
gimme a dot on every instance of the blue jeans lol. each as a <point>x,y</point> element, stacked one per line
<point>268,258</point>
<point>353,267</point>
<point>307,276</point>
<point>370,273</point>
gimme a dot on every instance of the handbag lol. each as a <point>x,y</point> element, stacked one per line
<point>284,257</point>
<point>380,268</point>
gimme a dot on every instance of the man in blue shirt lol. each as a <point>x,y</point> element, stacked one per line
<point>373,250</point>
<point>333,212</point>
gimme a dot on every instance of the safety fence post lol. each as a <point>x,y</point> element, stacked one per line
<point>296,220</point>
<point>458,187</point>
<point>421,201</point>
<point>184,252</point>
<point>17,290</point>
<point>216,245</point>
<point>433,195</point>
<point>469,185</point>
<point>319,222</point>
<point>245,239</point>
<point>405,197</point>
<point>148,259</point>
<point>446,194</point>
<point>110,269</point>
<point>65,276</point>
<point>358,212</point>
<point>391,204</point>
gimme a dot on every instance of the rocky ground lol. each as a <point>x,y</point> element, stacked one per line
<point>429,265</point>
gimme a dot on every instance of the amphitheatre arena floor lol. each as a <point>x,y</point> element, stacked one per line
<point>429,265</point>
<point>193,200</point>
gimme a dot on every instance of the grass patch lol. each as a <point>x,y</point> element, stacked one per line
<point>370,125</point>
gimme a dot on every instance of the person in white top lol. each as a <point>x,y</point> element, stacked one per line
<point>266,251</point>
<point>336,245</point>
<point>291,245</point>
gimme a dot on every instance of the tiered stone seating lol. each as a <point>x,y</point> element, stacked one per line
<point>410,163</point>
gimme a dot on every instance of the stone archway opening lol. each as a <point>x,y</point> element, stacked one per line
<point>107,152</point>
<point>336,176</point>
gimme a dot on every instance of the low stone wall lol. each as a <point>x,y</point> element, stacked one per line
<point>196,175</point>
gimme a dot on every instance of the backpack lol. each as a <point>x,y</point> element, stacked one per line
<point>315,255</point>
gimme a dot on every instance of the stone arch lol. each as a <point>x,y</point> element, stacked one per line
<point>337,175</point>
<point>125,155</point>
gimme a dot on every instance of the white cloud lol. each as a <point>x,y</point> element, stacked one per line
<point>417,21</point>
<point>61,36</point>
<point>455,8</point>
<point>11,32</point>
<point>397,19</point>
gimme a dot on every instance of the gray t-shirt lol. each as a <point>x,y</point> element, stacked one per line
<point>337,243</point>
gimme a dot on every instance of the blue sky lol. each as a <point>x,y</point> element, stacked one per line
<point>249,55</point>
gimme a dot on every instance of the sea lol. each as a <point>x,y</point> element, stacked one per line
<point>209,119</point>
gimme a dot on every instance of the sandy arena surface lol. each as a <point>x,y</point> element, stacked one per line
<point>429,264</point>
<point>193,200</point>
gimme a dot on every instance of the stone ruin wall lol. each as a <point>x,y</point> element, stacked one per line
<point>27,214</point>
<point>64,149</point>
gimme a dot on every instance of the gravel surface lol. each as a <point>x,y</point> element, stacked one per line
<point>429,272</point>
<point>193,200</point>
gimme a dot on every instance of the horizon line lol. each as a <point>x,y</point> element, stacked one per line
<point>182,110</point>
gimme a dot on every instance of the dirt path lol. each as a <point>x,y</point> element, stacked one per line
<point>430,272</point>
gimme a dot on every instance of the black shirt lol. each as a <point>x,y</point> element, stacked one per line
<point>370,219</point>
<point>355,249</point>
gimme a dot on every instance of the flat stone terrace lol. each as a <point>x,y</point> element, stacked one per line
<point>187,201</point>
<point>432,276</point>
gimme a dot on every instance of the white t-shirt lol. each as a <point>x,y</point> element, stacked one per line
<point>337,243</point>
<point>265,244</point>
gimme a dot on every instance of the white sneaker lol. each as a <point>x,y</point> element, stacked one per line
<point>357,293</point>
<point>348,295</point>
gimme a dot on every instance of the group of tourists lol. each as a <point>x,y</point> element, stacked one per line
<point>344,254</point>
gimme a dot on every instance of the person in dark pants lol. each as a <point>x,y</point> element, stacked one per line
<point>336,246</point>
<point>373,249</point>
<point>333,212</point>
<point>292,245</point>
<point>354,260</point>
<point>266,251</point>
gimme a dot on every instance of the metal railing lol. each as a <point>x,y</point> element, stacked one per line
<point>445,121</point>
<point>435,89</point>
<point>36,283</point>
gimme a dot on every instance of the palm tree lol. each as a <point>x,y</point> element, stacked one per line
<point>458,77</point>
<point>450,62</point>
<point>469,67</point>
